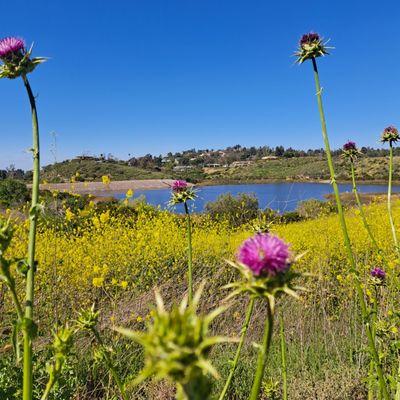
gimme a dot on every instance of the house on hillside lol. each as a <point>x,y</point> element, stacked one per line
<point>241,164</point>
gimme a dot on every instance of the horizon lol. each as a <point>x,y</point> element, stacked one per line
<point>198,75</point>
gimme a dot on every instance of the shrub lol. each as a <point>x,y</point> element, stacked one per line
<point>314,208</point>
<point>236,210</point>
<point>13,193</point>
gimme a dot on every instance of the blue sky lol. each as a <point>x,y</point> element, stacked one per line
<point>166,75</point>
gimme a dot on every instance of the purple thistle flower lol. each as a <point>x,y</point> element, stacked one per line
<point>10,46</point>
<point>378,273</point>
<point>390,134</point>
<point>309,38</point>
<point>349,146</point>
<point>264,254</point>
<point>179,186</point>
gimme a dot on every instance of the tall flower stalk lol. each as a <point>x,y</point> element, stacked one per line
<point>245,327</point>
<point>87,321</point>
<point>17,62</point>
<point>264,263</point>
<point>391,135</point>
<point>182,193</point>
<point>311,46</point>
<point>283,360</point>
<point>350,152</point>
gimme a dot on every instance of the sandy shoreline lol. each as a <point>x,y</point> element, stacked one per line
<point>113,186</point>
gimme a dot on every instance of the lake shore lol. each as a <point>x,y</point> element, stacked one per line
<point>154,184</point>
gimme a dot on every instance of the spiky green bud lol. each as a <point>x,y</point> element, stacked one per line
<point>176,346</point>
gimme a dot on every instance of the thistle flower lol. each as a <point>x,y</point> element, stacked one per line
<point>176,346</point>
<point>181,193</point>
<point>350,151</point>
<point>264,263</point>
<point>16,58</point>
<point>11,47</point>
<point>390,134</point>
<point>179,186</point>
<point>310,46</point>
<point>264,254</point>
<point>378,273</point>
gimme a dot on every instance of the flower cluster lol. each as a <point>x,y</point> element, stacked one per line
<point>310,46</point>
<point>16,58</point>
<point>350,151</point>
<point>181,192</point>
<point>390,134</point>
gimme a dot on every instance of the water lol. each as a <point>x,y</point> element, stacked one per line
<point>282,196</point>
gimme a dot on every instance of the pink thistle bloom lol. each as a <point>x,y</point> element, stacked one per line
<point>349,146</point>
<point>378,273</point>
<point>11,45</point>
<point>179,186</point>
<point>264,254</point>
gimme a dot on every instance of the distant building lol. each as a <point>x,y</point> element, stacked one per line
<point>241,163</point>
<point>181,168</point>
<point>270,158</point>
<point>212,165</point>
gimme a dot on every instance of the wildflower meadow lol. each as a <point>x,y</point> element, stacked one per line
<point>123,300</point>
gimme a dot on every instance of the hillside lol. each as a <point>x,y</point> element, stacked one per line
<point>295,168</point>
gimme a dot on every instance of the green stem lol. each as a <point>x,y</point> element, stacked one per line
<point>17,303</point>
<point>283,360</point>
<point>245,327</point>
<point>189,252</point>
<point>263,353</point>
<point>27,379</point>
<point>389,200</point>
<point>110,365</point>
<point>350,255</point>
<point>361,208</point>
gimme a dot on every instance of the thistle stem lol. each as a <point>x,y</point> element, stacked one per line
<point>110,365</point>
<point>389,200</point>
<point>27,378</point>
<point>189,251</point>
<point>263,353</point>
<point>245,327</point>
<point>283,361</point>
<point>17,303</point>
<point>350,255</point>
<point>361,208</point>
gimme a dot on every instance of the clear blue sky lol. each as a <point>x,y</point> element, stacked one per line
<point>152,76</point>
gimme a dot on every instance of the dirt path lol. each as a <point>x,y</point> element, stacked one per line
<point>113,186</point>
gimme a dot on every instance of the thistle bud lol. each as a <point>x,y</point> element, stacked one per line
<point>6,234</point>
<point>87,319</point>
<point>310,46</point>
<point>176,346</point>
<point>16,58</point>
<point>390,134</point>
